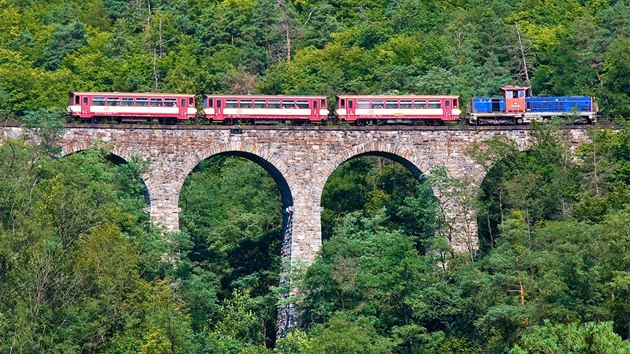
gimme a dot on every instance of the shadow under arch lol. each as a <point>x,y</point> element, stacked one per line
<point>245,246</point>
<point>117,160</point>
<point>286,197</point>
<point>394,157</point>
<point>412,184</point>
<point>282,184</point>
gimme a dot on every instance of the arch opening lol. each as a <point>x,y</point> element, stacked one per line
<point>381,184</point>
<point>527,187</point>
<point>131,171</point>
<point>236,208</point>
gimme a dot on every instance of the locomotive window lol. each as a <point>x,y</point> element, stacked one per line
<point>218,103</point>
<point>142,102</point>
<point>302,104</point>
<point>447,104</point>
<point>246,104</point>
<point>288,104</point>
<point>191,101</point>
<point>350,104</point>
<point>420,104</point>
<point>405,104</point>
<point>314,104</point>
<point>85,101</point>
<point>172,102</point>
<point>183,102</point>
<point>377,103</point>
<point>274,104</point>
<point>323,103</point>
<point>455,103</point>
<point>156,102</point>
<point>363,104</point>
<point>391,104</point>
<point>127,101</point>
<point>76,99</point>
<point>231,104</point>
<point>260,104</point>
<point>98,101</point>
<point>521,94</point>
<point>435,104</point>
<point>207,102</point>
<point>343,103</point>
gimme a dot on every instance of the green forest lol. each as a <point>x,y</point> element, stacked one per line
<point>468,48</point>
<point>83,269</point>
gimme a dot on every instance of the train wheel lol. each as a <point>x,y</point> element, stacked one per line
<point>519,120</point>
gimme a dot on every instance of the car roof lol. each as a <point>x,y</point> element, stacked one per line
<point>266,96</point>
<point>132,94</point>
<point>397,96</point>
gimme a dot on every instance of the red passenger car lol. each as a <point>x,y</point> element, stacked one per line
<point>265,109</point>
<point>408,109</point>
<point>167,107</point>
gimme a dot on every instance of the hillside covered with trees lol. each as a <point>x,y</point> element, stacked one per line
<point>463,47</point>
<point>82,268</point>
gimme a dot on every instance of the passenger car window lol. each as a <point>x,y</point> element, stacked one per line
<point>378,103</point>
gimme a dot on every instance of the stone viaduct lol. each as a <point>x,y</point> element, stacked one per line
<point>300,160</point>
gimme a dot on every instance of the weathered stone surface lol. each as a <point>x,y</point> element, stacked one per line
<point>300,160</point>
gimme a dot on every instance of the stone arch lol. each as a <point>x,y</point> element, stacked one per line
<point>278,177</point>
<point>114,149</point>
<point>118,156</point>
<point>522,141</point>
<point>398,154</point>
<point>392,151</point>
<point>403,157</point>
<point>264,158</point>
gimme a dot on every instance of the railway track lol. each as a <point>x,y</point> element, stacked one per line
<point>312,127</point>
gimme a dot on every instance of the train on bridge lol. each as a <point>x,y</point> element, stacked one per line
<point>517,106</point>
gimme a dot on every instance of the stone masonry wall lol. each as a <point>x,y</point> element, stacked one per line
<point>301,159</point>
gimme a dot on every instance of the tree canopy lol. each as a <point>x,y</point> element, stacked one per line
<point>466,47</point>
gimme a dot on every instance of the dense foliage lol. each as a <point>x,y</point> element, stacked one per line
<point>82,269</point>
<point>464,47</point>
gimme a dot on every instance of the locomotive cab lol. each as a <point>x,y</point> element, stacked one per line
<point>515,98</point>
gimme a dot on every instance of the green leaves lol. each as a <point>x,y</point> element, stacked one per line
<point>587,338</point>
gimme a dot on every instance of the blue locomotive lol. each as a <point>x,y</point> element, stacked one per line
<point>518,107</point>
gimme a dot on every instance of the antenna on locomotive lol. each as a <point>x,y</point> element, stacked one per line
<point>520,42</point>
